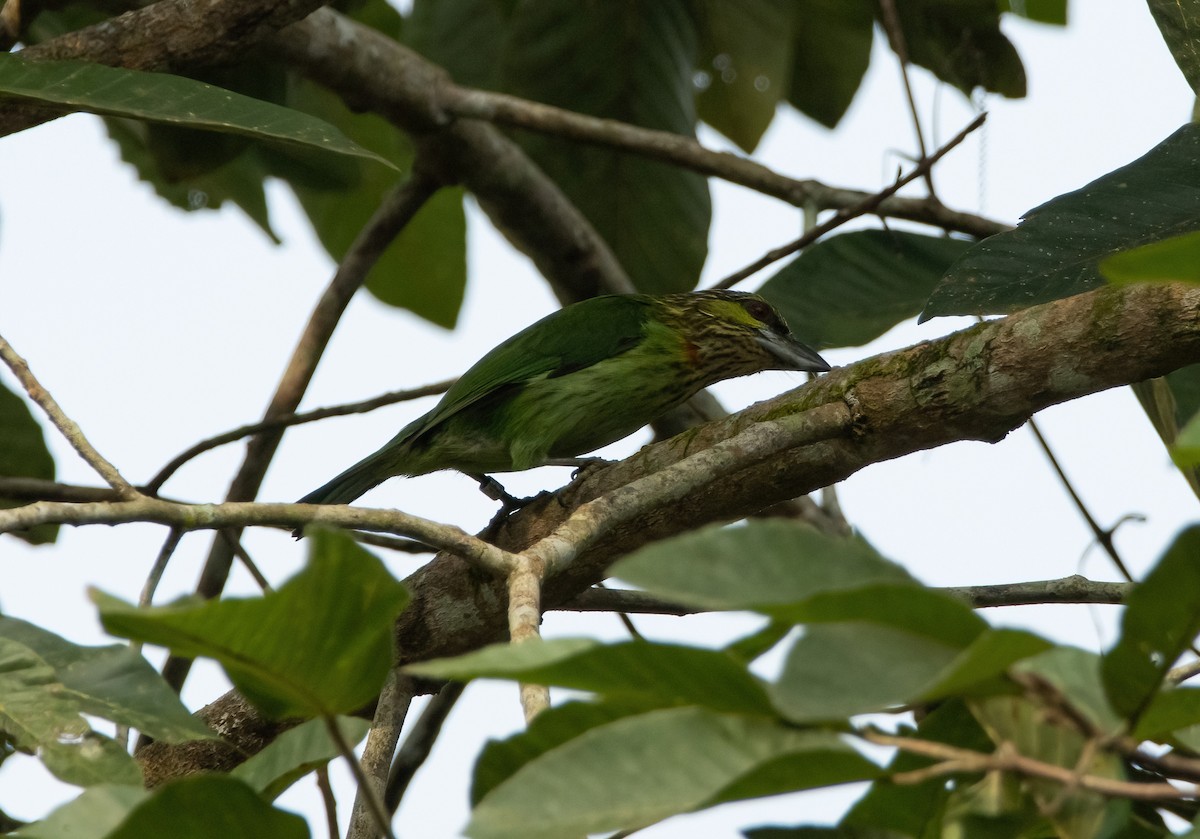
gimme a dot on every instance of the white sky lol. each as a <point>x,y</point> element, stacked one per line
<point>155,329</point>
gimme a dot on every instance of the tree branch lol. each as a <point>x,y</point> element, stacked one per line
<point>977,384</point>
<point>66,426</point>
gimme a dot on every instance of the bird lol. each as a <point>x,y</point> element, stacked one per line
<point>585,376</point>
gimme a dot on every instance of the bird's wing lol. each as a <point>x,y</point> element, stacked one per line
<point>566,341</point>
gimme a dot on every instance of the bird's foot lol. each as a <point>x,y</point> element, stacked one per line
<point>583,465</point>
<point>493,489</point>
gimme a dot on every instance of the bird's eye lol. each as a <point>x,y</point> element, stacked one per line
<point>763,313</point>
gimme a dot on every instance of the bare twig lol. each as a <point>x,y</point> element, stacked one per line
<point>759,441</point>
<point>1074,589</point>
<point>66,426</point>
<point>330,800</point>
<point>1180,674</point>
<point>238,514</point>
<point>419,743</point>
<point>1007,759</point>
<point>239,550</point>
<point>159,568</point>
<point>396,210</point>
<point>525,619</point>
<point>287,421</point>
<point>390,712</point>
<point>845,214</point>
<point>1103,537</point>
<point>367,789</point>
<point>689,154</point>
<point>895,33</point>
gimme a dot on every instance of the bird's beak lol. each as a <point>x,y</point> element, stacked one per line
<point>792,354</point>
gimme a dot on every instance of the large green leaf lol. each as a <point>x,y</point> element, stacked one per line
<point>831,49</point>
<point>1171,260</point>
<point>790,572</point>
<point>37,714</point>
<point>632,61</point>
<point>634,670</point>
<point>834,671</point>
<point>548,730</point>
<point>640,769</point>
<point>1176,20</point>
<point>167,99</point>
<point>23,454</point>
<point>464,37</point>
<point>319,645</point>
<point>1161,618</point>
<point>1043,11</point>
<point>847,290</point>
<point>960,42</point>
<point>295,753</point>
<point>424,269</point>
<point>746,59</point>
<point>92,815</point>
<point>1075,675</point>
<point>111,682</point>
<point>204,806</point>
<point>1057,249</point>
<point>1172,714</point>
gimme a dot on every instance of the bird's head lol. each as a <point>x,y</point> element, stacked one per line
<point>740,332</point>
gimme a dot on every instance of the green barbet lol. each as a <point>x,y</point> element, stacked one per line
<point>579,379</point>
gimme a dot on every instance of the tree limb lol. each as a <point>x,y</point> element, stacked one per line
<point>977,384</point>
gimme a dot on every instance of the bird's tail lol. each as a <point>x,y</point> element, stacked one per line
<point>362,476</point>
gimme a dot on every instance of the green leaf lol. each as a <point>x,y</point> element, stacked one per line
<point>631,61</point>
<point>92,815</point>
<point>239,181</point>
<point>556,725</point>
<point>167,99</point>
<point>204,806</point>
<point>1162,616</point>
<point>633,670</point>
<point>1186,451</point>
<point>831,50</point>
<point>1176,21</point>
<point>1169,712</point>
<point>92,759</point>
<point>23,454</point>
<point>464,37</point>
<point>746,58</point>
<point>112,682</point>
<point>424,269</point>
<point>295,753</point>
<point>1075,674</point>
<point>1043,11</point>
<point>960,42</point>
<point>808,832</point>
<point>1170,402</point>
<point>1171,260</point>
<point>790,572</point>
<point>319,645</point>
<point>1057,249</point>
<point>849,289</point>
<point>837,670</point>
<point>640,769</point>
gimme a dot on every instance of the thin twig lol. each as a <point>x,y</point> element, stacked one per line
<point>1073,589</point>
<point>1103,537</point>
<point>390,712</point>
<point>238,514</point>
<point>845,214</point>
<point>366,787</point>
<point>239,550</point>
<point>686,153</point>
<point>1183,672</point>
<point>67,426</point>
<point>159,568</point>
<point>395,211</point>
<point>895,33</point>
<point>330,800</point>
<point>419,743</point>
<point>287,421</point>
<point>524,621</point>
<point>1006,759</point>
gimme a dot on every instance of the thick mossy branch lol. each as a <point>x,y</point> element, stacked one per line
<point>977,384</point>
